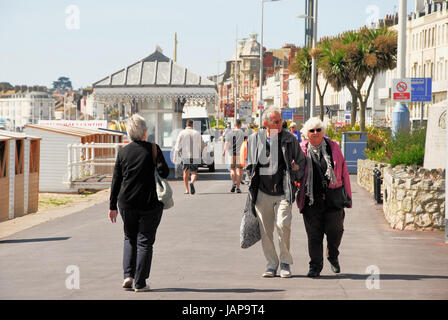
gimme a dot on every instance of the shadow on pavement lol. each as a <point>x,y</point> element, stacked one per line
<point>208,193</point>
<point>33,240</point>
<point>242,290</point>
<point>381,276</point>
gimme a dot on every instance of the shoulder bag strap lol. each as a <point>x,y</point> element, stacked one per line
<point>154,154</point>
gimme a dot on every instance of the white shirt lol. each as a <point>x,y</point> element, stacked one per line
<point>190,144</point>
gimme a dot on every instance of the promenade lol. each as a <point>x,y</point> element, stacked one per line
<point>197,255</point>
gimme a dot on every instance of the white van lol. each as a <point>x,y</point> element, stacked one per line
<point>200,116</point>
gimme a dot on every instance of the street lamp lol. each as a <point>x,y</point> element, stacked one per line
<point>313,59</point>
<point>261,60</point>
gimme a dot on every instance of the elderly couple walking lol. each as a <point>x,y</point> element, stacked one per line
<point>281,171</point>
<point>284,172</point>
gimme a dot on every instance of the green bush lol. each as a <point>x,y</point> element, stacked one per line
<point>407,147</point>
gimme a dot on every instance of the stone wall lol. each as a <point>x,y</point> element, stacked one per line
<point>413,197</point>
<point>365,173</point>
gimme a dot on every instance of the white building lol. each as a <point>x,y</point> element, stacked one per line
<point>26,108</point>
<point>427,55</point>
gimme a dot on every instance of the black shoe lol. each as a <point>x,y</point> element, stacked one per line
<point>233,188</point>
<point>238,190</point>
<point>192,191</point>
<point>313,273</point>
<point>335,267</point>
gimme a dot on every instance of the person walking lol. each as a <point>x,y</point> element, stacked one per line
<point>325,170</point>
<point>190,146</point>
<point>133,189</point>
<point>234,140</point>
<point>275,164</point>
<point>243,157</point>
<point>293,130</point>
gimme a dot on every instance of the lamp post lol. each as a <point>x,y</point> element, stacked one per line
<point>400,114</point>
<point>261,61</point>
<point>313,59</point>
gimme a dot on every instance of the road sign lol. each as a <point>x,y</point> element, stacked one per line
<point>287,114</point>
<point>421,89</point>
<point>245,108</point>
<point>229,110</point>
<point>347,116</point>
<point>260,105</point>
<point>401,90</point>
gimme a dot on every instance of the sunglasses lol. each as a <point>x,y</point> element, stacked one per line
<point>317,130</point>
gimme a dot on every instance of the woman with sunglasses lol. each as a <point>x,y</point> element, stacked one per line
<point>325,169</point>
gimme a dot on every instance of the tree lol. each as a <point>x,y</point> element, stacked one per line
<point>367,53</point>
<point>62,83</point>
<point>336,70</point>
<point>302,68</point>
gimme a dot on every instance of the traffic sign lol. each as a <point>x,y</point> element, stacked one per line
<point>245,108</point>
<point>401,90</point>
<point>260,105</point>
<point>287,114</point>
<point>229,110</point>
<point>421,89</point>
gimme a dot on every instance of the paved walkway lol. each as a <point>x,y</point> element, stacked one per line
<point>197,255</point>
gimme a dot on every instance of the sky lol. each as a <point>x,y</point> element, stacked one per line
<point>88,40</point>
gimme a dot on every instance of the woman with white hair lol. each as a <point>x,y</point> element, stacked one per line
<point>134,188</point>
<point>325,192</point>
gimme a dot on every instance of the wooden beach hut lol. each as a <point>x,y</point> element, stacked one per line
<point>19,174</point>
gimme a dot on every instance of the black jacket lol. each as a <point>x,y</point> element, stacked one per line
<point>133,184</point>
<point>290,151</point>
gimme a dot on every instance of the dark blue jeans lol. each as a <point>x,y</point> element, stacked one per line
<point>139,235</point>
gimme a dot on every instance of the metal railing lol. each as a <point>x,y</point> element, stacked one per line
<point>91,165</point>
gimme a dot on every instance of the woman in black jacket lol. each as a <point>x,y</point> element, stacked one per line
<point>134,188</point>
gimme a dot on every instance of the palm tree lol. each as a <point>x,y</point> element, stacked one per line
<point>302,68</point>
<point>368,53</point>
<point>336,70</point>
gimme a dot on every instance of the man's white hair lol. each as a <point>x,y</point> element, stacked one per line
<point>135,127</point>
<point>313,123</point>
<point>269,111</point>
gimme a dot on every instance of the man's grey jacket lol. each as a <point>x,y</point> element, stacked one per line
<point>291,150</point>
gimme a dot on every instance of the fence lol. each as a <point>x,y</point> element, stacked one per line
<point>91,165</point>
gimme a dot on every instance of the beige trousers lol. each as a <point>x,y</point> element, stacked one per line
<point>274,211</point>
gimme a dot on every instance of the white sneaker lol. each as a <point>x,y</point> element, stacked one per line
<point>285,271</point>
<point>269,273</point>
<point>144,289</point>
<point>127,283</point>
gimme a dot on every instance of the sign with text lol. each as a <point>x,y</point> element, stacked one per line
<point>74,123</point>
<point>287,114</point>
<point>229,110</point>
<point>421,89</point>
<point>401,90</point>
<point>245,108</point>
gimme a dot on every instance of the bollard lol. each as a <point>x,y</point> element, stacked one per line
<point>377,182</point>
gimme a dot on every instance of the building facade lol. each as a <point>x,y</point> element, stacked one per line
<point>25,107</point>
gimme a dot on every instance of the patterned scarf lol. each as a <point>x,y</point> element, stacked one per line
<point>318,150</point>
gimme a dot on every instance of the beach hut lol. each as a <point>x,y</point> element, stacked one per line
<point>19,174</point>
<point>54,152</point>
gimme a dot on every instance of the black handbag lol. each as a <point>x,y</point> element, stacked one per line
<point>334,197</point>
<point>338,198</point>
